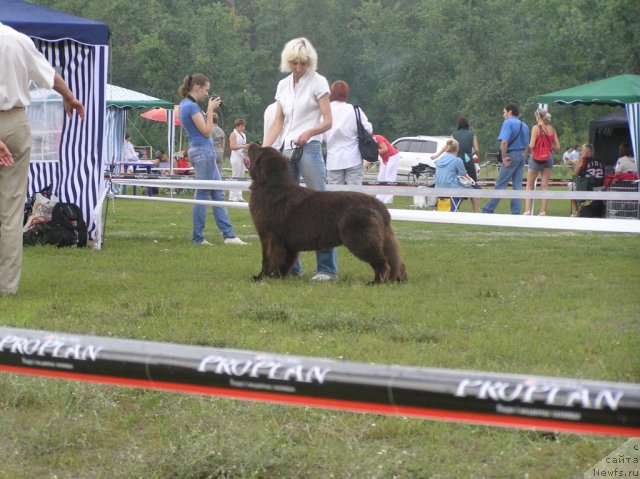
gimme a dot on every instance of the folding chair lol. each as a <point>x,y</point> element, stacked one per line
<point>424,176</point>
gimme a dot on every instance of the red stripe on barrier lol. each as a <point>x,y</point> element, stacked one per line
<point>437,414</point>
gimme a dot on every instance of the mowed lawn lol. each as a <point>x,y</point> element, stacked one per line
<point>540,302</point>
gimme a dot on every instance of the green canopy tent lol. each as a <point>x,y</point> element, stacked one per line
<point>119,101</point>
<point>621,90</point>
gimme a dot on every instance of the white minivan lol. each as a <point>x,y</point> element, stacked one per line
<point>417,149</point>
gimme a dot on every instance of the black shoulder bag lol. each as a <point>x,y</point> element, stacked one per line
<point>367,145</point>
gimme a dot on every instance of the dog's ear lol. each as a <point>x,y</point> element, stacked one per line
<point>253,152</point>
<point>257,160</point>
<point>253,149</point>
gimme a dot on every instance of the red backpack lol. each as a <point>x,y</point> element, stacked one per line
<point>542,149</point>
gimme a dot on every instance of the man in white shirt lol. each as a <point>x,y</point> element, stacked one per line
<point>19,63</point>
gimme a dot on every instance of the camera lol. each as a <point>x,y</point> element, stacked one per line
<point>214,96</point>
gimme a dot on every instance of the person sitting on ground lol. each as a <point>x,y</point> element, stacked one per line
<point>626,162</point>
<point>587,166</point>
<point>450,170</point>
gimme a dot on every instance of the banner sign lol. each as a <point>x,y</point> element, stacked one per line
<point>534,402</point>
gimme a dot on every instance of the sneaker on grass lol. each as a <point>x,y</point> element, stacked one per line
<point>322,277</point>
<point>235,240</point>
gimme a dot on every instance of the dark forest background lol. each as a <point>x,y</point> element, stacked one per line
<point>413,65</point>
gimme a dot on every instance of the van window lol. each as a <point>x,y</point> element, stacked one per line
<point>415,146</point>
<point>428,146</point>
<point>403,145</point>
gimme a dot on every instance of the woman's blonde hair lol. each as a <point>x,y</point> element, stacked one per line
<point>298,50</point>
<point>452,145</point>
<point>544,115</point>
<point>189,81</point>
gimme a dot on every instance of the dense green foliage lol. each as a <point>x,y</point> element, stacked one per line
<point>414,65</point>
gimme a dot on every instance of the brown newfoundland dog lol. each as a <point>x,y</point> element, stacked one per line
<point>290,219</point>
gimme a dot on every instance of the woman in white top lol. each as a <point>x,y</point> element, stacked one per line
<point>626,163</point>
<point>238,145</point>
<point>344,161</point>
<point>129,154</point>
<point>302,115</point>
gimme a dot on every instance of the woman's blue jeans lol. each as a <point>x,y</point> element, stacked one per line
<point>512,173</point>
<point>312,168</point>
<point>203,159</point>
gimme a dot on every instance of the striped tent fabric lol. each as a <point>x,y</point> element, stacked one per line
<point>77,177</point>
<point>114,135</point>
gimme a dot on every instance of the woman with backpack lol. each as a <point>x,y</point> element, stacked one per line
<point>544,139</point>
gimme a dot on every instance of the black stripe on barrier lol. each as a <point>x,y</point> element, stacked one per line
<point>534,402</point>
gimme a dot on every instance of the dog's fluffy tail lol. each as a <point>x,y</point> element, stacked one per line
<point>392,252</point>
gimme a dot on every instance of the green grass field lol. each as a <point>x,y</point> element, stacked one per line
<point>541,302</point>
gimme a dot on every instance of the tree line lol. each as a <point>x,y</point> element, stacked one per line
<point>413,65</point>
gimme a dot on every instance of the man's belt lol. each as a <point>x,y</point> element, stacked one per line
<point>11,110</point>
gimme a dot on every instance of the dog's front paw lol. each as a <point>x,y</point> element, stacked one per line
<point>257,277</point>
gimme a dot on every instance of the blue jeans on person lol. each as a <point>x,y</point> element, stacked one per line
<point>312,168</point>
<point>512,173</point>
<point>203,159</point>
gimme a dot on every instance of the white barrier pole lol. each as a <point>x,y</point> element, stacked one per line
<point>611,225</point>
